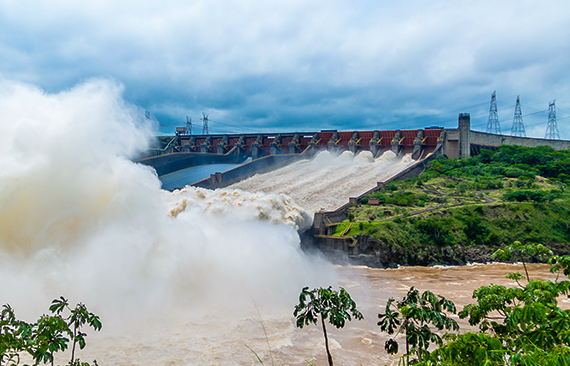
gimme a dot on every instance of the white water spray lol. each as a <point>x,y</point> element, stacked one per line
<point>78,219</point>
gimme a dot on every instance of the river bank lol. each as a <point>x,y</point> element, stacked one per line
<point>375,253</point>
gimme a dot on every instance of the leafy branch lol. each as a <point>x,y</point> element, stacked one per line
<point>48,335</point>
<point>415,316</point>
<point>336,306</point>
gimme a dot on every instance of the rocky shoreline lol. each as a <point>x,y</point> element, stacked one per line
<point>377,254</point>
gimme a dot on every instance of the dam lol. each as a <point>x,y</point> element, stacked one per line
<point>268,151</point>
<point>179,279</point>
<point>328,172</point>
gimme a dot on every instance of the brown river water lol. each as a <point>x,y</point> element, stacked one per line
<point>210,339</point>
<point>191,277</point>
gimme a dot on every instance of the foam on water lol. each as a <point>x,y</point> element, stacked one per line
<point>327,180</point>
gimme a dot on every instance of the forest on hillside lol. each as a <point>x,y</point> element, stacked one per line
<point>477,204</point>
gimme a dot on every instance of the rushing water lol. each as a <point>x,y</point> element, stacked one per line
<point>191,277</point>
<point>327,181</point>
<point>220,340</point>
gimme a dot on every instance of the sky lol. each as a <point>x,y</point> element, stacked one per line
<point>310,65</point>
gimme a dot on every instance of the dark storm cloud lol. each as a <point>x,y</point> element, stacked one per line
<point>303,65</point>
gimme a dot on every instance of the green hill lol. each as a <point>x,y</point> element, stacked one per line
<point>462,210</point>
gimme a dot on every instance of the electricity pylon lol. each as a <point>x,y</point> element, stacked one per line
<point>552,132</point>
<point>493,125</point>
<point>205,120</point>
<point>518,125</point>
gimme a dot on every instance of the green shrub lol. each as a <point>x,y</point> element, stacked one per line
<point>525,195</point>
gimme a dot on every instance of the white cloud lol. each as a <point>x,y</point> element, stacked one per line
<point>329,56</point>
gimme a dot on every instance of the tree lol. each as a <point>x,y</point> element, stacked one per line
<point>14,336</point>
<point>47,336</point>
<point>522,324</point>
<point>414,316</point>
<point>524,253</point>
<point>329,304</point>
<point>77,317</point>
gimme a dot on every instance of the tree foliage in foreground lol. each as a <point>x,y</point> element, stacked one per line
<point>415,316</point>
<point>336,306</point>
<point>519,325</point>
<point>48,335</point>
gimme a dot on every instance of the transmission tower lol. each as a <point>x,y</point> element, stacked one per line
<point>552,127</point>
<point>493,125</point>
<point>518,125</point>
<point>205,120</point>
<point>188,125</point>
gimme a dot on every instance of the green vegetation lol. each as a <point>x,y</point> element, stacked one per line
<point>336,306</point>
<point>47,336</point>
<point>420,313</point>
<point>521,325</point>
<point>484,201</point>
<point>517,325</point>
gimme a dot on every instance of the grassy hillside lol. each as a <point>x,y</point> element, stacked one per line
<point>516,193</point>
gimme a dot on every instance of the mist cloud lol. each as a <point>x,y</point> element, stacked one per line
<point>79,219</point>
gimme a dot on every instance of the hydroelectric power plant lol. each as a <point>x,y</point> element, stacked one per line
<point>270,150</point>
<point>327,172</point>
<point>193,276</point>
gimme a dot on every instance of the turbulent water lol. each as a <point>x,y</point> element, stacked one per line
<point>219,340</point>
<point>79,219</point>
<point>191,277</point>
<point>327,181</point>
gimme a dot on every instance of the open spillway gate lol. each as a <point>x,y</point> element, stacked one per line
<point>271,151</point>
<point>418,142</point>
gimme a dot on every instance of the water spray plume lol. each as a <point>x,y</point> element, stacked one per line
<point>78,218</point>
<point>177,277</point>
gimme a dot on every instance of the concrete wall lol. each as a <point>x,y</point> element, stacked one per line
<point>169,163</point>
<point>344,244</point>
<point>459,143</point>
<point>481,138</point>
<point>257,166</point>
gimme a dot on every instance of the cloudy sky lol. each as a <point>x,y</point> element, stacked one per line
<point>302,65</point>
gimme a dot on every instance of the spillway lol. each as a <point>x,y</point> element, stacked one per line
<point>329,179</point>
<point>190,277</point>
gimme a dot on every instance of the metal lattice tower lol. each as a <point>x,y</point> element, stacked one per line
<point>552,132</point>
<point>205,120</point>
<point>518,125</point>
<point>493,125</point>
<point>188,125</point>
